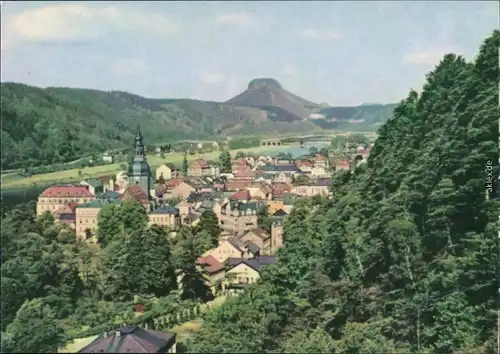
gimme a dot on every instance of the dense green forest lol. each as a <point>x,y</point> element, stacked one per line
<point>56,125</point>
<point>404,257</point>
<point>55,289</point>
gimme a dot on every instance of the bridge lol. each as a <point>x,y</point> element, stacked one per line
<point>272,142</point>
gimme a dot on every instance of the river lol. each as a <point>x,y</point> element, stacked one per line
<point>295,150</point>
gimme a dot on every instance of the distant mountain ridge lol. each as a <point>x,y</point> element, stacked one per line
<point>59,124</point>
<point>266,93</point>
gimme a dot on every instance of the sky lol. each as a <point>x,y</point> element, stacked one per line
<point>340,53</point>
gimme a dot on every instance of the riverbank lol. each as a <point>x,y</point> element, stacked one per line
<point>75,175</point>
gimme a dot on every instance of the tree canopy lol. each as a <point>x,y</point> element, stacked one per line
<point>403,258</point>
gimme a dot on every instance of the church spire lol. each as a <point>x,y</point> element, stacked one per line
<point>139,146</point>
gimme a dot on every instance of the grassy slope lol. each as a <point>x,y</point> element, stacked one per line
<point>56,125</point>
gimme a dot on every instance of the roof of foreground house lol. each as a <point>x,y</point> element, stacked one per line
<point>130,339</point>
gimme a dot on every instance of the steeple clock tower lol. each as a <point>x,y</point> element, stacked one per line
<point>139,172</point>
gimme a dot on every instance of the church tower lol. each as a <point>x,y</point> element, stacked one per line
<point>139,172</point>
<point>277,230</point>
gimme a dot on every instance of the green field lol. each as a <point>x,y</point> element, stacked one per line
<point>12,180</point>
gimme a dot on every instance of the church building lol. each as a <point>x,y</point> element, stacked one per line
<point>139,172</point>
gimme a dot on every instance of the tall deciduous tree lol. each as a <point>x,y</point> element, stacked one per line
<point>35,330</point>
<point>225,162</point>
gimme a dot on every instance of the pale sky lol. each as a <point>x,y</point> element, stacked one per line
<point>341,53</point>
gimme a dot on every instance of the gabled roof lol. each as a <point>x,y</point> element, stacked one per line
<point>67,191</point>
<point>243,195</point>
<point>211,264</point>
<point>252,247</point>
<point>174,182</point>
<point>135,192</point>
<point>166,209</point>
<point>198,163</point>
<point>110,195</point>
<point>130,339</point>
<point>171,166</point>
<point>244,206</point>
<point>254,263</point>
<point>325,182</point>
<point>280,213</point>
<point>94,182</point>
<point>98,203</point>
<point>68,208</point>
<point>259,232</point>
<point>237,243</point>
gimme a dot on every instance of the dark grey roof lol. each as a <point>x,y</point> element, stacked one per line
<point>280,212</point>
<point>252,247</point>
<point>166,209</point>
<point>244,206</point>
<point>110,195</point>
<point>324,182</point>
<point>130,339</point>
<point>256,263</point>
<point>237,243</point>
<point>171,166</point>
<point>67,217</point>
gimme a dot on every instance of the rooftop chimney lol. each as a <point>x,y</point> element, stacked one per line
<point>118,334</point>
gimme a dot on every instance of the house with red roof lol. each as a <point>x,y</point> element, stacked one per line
<point>342,165</point>
<point>136,193</point>
<point>58,196</point>
<point>242,196</point>
<point>321,161</point>
<point>212,272</point>
<point>66,214</point>
<point>199,168</point>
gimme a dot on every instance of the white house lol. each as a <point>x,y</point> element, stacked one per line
<point>107,157</point>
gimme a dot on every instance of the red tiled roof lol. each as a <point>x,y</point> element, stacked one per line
<point>174,182</point>
<point>68,208</point>
<point>238,184</point>
<point>117,188</point>
<point>242,195</point>
<point>135,192</point>
<point>211,264</point>
<point>198,163</point>
<point>67,191</point>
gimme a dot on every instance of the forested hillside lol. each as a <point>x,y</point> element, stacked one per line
<point>55,125</point>
<point>404,258</point>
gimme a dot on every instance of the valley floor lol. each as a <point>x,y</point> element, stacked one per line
<point>12,180</point>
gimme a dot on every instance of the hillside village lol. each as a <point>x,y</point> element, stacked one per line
<point>173,199</point>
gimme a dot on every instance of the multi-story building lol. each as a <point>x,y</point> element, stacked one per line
<point>199,168</point>
<point>238,217</point>
<point>166,216</point>
<point>57,196</point>
<point>86,218</point>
